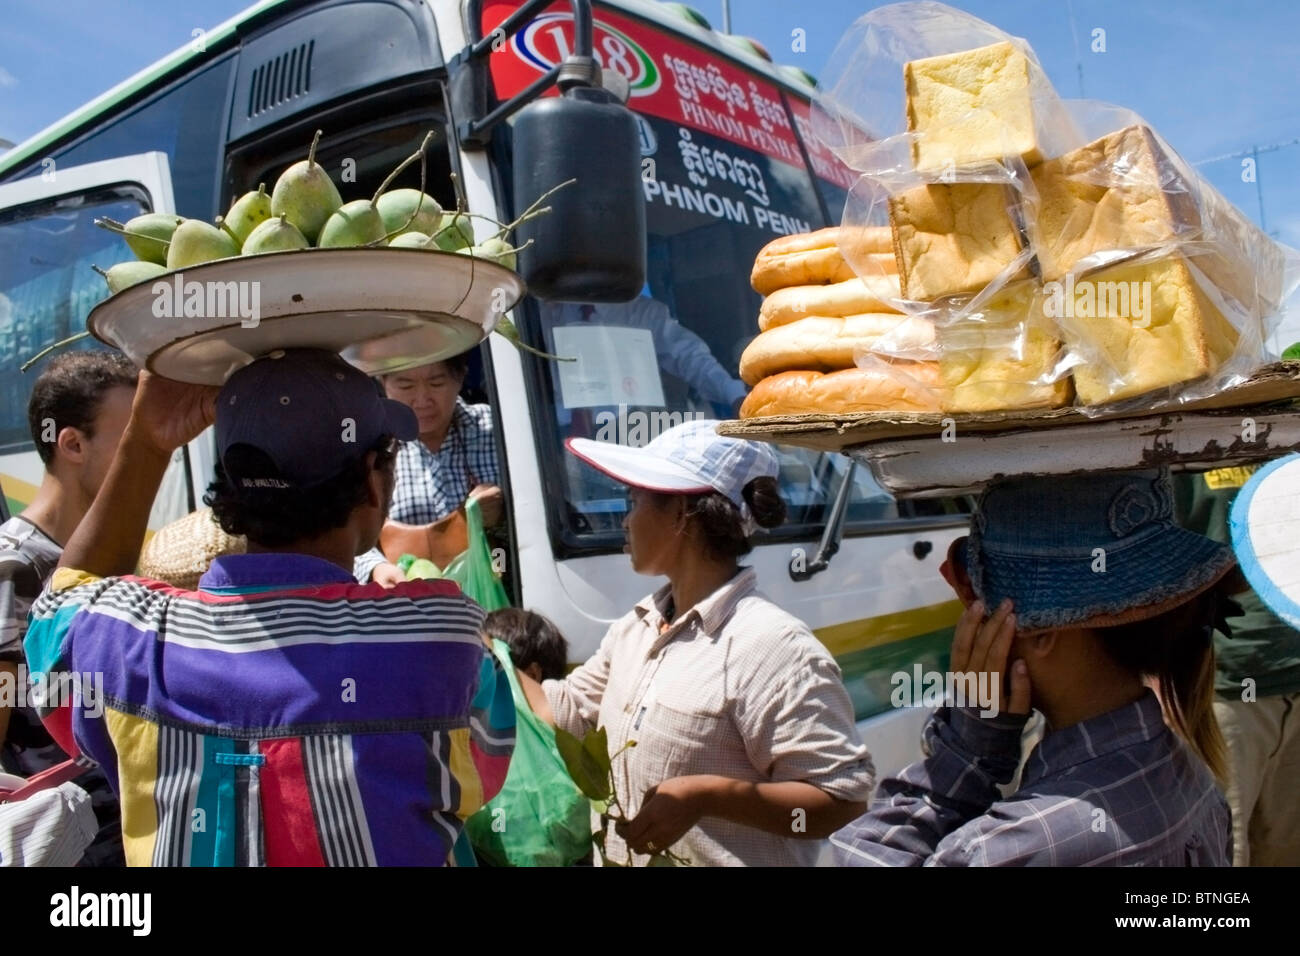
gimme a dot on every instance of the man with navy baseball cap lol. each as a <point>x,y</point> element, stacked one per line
<point>321,721</point>
<point>295,419</point>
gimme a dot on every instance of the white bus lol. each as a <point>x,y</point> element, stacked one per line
<point>726,134</point>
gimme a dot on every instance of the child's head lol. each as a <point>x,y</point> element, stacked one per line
<point>536,645</point>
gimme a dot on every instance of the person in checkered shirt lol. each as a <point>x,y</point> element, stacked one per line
<point>1089,604</point>
<point>454,459</point>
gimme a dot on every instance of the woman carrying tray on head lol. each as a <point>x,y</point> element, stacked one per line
<point>746,748</point>
<point>1096,596</point>
<point>454,459</point>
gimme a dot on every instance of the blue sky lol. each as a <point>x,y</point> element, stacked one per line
<point>1215,78</point>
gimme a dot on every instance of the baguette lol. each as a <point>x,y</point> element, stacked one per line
<point>852,297</point>
<point>814,267</point>
<point>906,386</point>
<point>825,344</point>
<point>815,258</point>
<point>859,238</point>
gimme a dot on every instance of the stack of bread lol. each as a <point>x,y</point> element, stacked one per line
<point>818,316</point>
<point>1017,254</point>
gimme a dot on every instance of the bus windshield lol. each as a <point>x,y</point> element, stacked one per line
<point>724,173</point>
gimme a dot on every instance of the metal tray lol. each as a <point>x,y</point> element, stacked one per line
<point>385,310</point>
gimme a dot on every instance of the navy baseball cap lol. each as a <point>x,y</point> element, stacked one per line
<point>309,413</point>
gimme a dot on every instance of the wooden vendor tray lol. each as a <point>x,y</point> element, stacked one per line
<point>921,455</point>
<point>1277,382</point>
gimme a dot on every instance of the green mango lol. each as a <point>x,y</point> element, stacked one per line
<point>147,235</point>
<point>411,240</point>
<point>397,207</point>
<point>499,251</point>
<point>196,241</point>
<point>450,238</point>
<point>422,569</point>
<point>248,212</point>
<point>1292,353</point>
<point>357,223</point>
<point>275,235</point>
<point>126,274</point>
<point>306,195</point>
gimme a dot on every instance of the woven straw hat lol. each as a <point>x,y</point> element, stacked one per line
<point>179,553</point>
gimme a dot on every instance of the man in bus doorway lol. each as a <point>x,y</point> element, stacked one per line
<point>453,459</point>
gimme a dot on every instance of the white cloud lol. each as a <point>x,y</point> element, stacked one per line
<point>7,79</point>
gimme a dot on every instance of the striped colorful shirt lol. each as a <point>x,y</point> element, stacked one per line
<point>281,715</point>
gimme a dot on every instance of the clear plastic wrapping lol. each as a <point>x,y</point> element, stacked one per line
<point>1061,249</point>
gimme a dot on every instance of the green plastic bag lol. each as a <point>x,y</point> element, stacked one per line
<point>472,568</point>
<point>540,817</point>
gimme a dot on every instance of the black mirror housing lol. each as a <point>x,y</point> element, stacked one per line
<point>591,247</point>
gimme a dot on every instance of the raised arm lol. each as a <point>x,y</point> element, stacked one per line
<point>967,757</point>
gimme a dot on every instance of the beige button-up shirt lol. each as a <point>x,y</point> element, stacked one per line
<point>735,687</point>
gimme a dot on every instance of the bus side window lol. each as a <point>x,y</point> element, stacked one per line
<point>47,286</point>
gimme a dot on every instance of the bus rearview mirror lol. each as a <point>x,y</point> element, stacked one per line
<point>592,245</point>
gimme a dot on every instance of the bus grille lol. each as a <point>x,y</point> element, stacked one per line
<point>280,79</point>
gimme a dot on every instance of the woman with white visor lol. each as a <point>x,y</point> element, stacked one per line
<point>746,749</point>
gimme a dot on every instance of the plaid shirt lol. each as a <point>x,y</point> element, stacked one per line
<point>1119,789</point>
<point>433,484</point>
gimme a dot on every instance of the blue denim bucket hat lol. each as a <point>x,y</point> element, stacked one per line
<point>1095,550</point>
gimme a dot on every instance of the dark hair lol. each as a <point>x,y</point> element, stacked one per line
<point>1176,649</point>
<point>720,522</point>
<point>275,517</point>
<point>533,639</point>
<point>458,365</point>
<point>70,393</point>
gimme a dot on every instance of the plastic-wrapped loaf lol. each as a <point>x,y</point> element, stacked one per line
<point>950,239</point>
<point>924,88</point>
<point>946,171</point>
<point>972,106</point>
<point>1003,353</point>
<point>1142,325</point>
<point>1128,191</point>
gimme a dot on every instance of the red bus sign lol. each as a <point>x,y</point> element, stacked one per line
<point>669,77</point>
